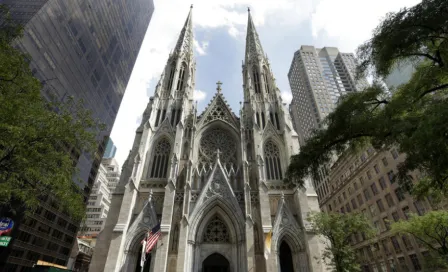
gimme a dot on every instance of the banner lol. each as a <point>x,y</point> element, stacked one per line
<point>267,245</point>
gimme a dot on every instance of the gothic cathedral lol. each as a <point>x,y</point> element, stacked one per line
<point>214,181</point>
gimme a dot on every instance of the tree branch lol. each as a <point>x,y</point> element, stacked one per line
<point>431,91</point>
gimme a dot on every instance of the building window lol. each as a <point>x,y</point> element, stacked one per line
<point>160,161</point>
<point>415,262</point>
<point>380,204</point>
<point>367,194</point>
<point>180,80</point>
<point>394,153</point>
<point>354,203</point>
<point>389,200</point>
<point>360,200</point>
<point>391,176</point>
<point>395,244</point>
<point>399,193</point>
<point>272,161</point>
<point>374,188</point>
<point>419,207</point>
<point>403,265</point>
<point>369,174</point>
<point>382,182</point>
<point>384,160</point>
<point>171,78</point>
<point>377,169</point>
<point>265,77</point>
<point>373,210</point>
<point>407,243</point>
<point>256,79</point>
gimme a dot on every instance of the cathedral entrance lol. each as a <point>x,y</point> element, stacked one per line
<point>216,263</point>
<point>286,264</point>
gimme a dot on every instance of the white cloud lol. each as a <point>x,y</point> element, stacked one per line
<point>201,47</point>
<point>234,32</point>
<point>286,97</point>
<point>199,95</point>
<point>351,22</point>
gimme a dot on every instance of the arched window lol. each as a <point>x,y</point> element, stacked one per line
<point>256,79</point>
<point>272,161</point>
<point>216,231</point>
<point>171,78</point>
<point>180,80</point>
<point>160,159</point>
<point>266,81</point>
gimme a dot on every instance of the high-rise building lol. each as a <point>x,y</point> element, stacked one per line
<point>318,77</point>
<point>85,49</point>
<point>112,173</point>
<point>111,149</point>
<point>366,183</point>
<point>215,181</point>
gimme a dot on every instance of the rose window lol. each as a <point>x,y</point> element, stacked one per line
<point>216,232</point>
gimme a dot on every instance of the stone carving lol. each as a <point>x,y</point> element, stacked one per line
<point>217,188</point>
<point>219,112</point>
<point>216,232</point>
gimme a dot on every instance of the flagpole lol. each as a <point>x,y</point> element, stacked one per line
<point>143,257</point>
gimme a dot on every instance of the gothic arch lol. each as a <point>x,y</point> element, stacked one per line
<point>234,250</point>
<point>273,160</point>
<point>162,148</point>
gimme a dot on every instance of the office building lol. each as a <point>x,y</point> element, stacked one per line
<point>85,49</point>
<point>318,77</point>
<point>111,149</point>
<point>366,183</point>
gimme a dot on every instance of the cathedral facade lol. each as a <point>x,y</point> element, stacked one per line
<point>213,180</point>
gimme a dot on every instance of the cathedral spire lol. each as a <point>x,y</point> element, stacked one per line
<point>253,45</point>
<point>185,41</point>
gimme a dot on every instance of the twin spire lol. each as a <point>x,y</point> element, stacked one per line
<point>185,41</point>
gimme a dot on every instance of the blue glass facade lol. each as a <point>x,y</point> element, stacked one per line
<point>111,149</point>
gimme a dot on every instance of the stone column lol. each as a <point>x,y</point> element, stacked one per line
<point>182,251</point>
<point>118,236</point>
<point>161,257</point>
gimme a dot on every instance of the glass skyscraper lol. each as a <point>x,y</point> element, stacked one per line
<point>318,77</point>
<point>85,49</point>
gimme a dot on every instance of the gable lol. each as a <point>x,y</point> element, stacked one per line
<point>218,109</point>
<point>217,187</point>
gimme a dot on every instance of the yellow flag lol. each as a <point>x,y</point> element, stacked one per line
<point>267,245</point>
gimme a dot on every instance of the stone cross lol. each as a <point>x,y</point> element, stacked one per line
<point>219,83</point>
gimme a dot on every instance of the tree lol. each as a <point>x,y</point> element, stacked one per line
<point>338,229</point>
<point>40,140</point>
<point>413,118</point>
<point>431,230</point>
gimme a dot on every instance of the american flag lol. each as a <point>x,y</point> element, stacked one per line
<point>153,237</point>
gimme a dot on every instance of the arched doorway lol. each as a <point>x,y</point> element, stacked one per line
<point>216,263</point>
<point>147,265</point>
<point>286,264</point>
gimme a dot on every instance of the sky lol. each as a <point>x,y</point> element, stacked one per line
<point>220,33</point>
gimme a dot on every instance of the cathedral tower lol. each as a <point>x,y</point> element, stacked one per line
<point>214,181</point>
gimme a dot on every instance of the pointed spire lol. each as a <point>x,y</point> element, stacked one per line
<point>253,45</point>
<point>185,41</point>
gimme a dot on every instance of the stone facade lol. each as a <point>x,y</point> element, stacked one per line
<point>214,181</point>
<point>366,183</point>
